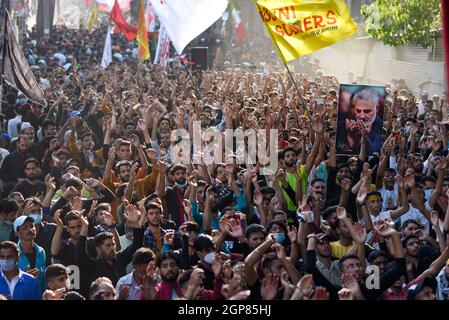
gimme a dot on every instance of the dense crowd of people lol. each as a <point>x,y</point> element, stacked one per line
<point>95,206</point>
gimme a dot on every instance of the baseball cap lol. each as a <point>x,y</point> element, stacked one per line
<point>25,125</point>
<point>415,289</point>
<point>21,220</point>
<point>322,236</point>
<point>75,113</point>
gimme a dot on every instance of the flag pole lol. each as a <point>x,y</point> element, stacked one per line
<point>198,92</point>
<point>303,101</point>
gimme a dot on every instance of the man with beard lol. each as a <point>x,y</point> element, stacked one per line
<point>289,160</point>
<point>32,257</point>
<point>168,288</point>
<point>350,266</point>
<point>130,287</point>
<point>31,186</point>
<point>364,115</point>
<point>12,166</point>
<point>124,170</point>
<point>174,195</point>
<point>154,234</point>
<point>108,263</point>
<point>143,185</point>
<point>319,250</point>
<point>417,260</point>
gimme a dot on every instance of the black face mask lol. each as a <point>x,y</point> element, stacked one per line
<point>181,182</point>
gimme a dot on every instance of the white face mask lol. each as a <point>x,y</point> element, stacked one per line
<point>208,258</point>
<point>9,223</point>
<point>7,264</point>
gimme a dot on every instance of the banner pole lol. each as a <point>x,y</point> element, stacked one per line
<point>303,101</point>
<point>193,81</point>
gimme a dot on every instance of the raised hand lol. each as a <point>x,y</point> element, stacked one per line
<point>187,207</point>
<point>434,217</point>
<point>112,153</point>
<point>69,193</point>
<point>384,229</point>
<point>280,251</point>
<point>77,203</point>
<point>304,288</point>
<point>217,266</point>
<point>132,216</point>
<point>346,184</point>
<point>400,181</point>
<point>361,234</point>
<point>289,288</point>
<point>280,175</point>
<point>292,233</point>
<point>50,182</point>
<point>410,178</point>
<point>341,213</point>
<point>108,219</point>
<point>135,140</point>
<point>361,195</point>
<point>258,198</point>
<point>345,294</point>
<point>142,125</point>
<point>168,237</point>
<point>54,295</point>
<point>269,288</point>
<point>57,218</point>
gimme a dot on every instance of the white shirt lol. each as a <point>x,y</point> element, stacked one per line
<point>389,196</point>
<point>134,289</point>
<point>3,154</point>
<point>415,214</point>
<point>14,281</point>
<point>124,243</point>
<point>12,126</point>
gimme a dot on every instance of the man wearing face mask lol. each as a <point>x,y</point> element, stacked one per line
<point>8,212</point>
<point>205,250</point>
<point>174,195</point>
<point>14,283</point>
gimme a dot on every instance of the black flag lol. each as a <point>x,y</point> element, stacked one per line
<point>16,70</point>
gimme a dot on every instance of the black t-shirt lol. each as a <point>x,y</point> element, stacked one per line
<point>28,190</point>
<point>44,238</point>
<point>31,259</point>
<point>209,277</point>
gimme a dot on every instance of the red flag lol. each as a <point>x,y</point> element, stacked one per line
<point>121,25</point>
<point>128,30</point>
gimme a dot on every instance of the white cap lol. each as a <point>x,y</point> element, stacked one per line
<point>25,125</point>
<point>21,220</point>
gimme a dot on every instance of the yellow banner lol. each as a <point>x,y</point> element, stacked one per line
<point>300,27</point>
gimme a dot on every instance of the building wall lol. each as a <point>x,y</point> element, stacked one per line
<point>375,63</point>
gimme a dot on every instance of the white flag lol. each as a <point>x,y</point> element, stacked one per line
<point>107,52</point>
<point>151,17</point>
<point>163,48</point>
<point>186,19</point>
